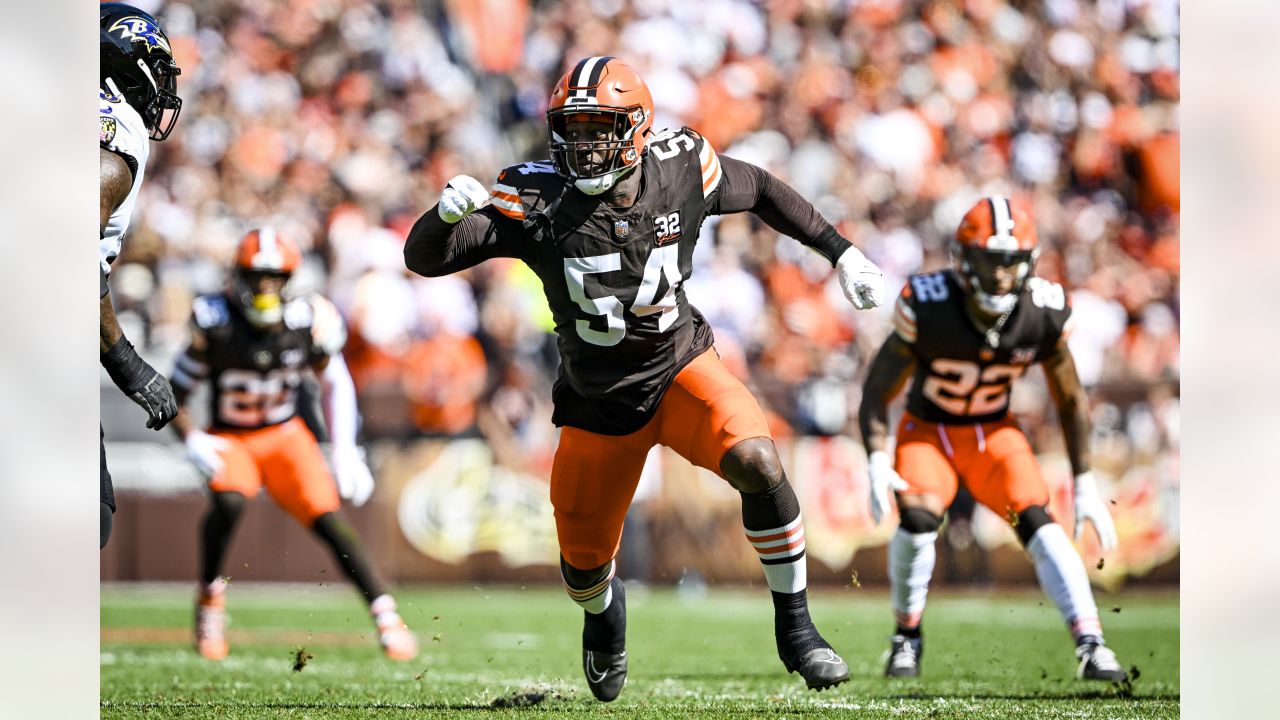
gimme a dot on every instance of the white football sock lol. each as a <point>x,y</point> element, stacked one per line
<point>911,559</point>
<point>1063,577</point>
<point>781,552</point>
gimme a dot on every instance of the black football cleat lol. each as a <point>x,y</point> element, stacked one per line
<point>1098,662</point>
<point>820,666</point>
<point>606,673</point>
<point>904,656</point>
<point>604,661</point>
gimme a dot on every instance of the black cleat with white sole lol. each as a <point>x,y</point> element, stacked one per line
<point>904,656</point>
<point>604,636</point>
<point>1098,662</point>
<point>818,664</point>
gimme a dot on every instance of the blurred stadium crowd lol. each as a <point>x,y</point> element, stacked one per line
<point>339,121</point>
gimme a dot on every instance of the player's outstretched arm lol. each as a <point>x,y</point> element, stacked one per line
<point>458,233</point>
<point>191,368</point>
<point>746,187</point>
<point>1072,402</point>
<point>127,369</point>
<point>889,372</point>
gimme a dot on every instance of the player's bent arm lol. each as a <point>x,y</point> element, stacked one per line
<point>892,367</point>
<point>114,181</point>
<point>338,400</point>
<point>1072,402</point>
<point>436,247</point>
<point>350,471</point>
<point>189,370</point>
<point>748,188</point>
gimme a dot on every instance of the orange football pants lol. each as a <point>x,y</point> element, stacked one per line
<point>994,460</point>
<point>704,413</point>
<point>284,458</point>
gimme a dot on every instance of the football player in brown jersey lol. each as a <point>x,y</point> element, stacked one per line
<point>964,335</point>
<point>609,225</point>
<point>253,344</point>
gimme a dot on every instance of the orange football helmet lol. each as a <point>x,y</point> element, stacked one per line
<point>995,252</point>
<point>265,262</point>
<point>601,89</point>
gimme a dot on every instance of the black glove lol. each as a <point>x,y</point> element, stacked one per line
<point>141,383</point>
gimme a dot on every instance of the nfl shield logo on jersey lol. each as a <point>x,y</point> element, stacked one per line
<point>621,229</point>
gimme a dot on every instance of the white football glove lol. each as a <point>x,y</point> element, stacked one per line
<point>861,280</point>
<point>462,196</point>
<point>205,452</point>
<point>883,479</point>
<point>355,482</point>
<point>1090,506</point>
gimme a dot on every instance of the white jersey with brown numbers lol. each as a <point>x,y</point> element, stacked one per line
<point>121,130</point>
<point>614,278</point>
<point>254,374</point>
<point>963,374</point>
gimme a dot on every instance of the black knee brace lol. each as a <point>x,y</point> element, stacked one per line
<point>1031,520</point>
<point>918,520</point>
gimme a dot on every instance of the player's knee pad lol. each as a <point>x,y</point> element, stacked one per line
<point>104,524</point>
<point>1031,520</point>
<point>918,520</point>
<point>752,466</point>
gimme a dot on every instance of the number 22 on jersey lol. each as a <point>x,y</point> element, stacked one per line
<point>961,387</point>
<point>663,262</point>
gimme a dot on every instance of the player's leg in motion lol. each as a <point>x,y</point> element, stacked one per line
<point>923,461</point>
<point>296,476</point>
<point>1017,486</point>
<point>216,530</point>
<point>593,479</point>
<point>774,527</point>
<point>710,418</point>
<point>239,480</point>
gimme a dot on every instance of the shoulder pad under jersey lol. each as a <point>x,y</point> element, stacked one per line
<point>210,311</point>
<point>904,315</point>
<point>687,146</point>
<point>328,331</point>
<point>523,188</point>
<point>121,130</point>
<point>929,287</point>
<point>1051,298</point>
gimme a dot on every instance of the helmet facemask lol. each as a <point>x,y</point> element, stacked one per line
<point>262,295</point>
<point>162,113</point>
<point>595,164</point>
<point>995,278</point>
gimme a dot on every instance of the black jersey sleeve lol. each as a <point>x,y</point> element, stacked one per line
<point>747,187</point>
<point>436,248</point>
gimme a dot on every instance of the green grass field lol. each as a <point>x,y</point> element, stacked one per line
<point>512,652</point>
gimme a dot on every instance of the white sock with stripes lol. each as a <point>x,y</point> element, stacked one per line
<point>781,551</point>
<point>594,599</point>
<point>1063,577</point>
<point>911,560</point>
